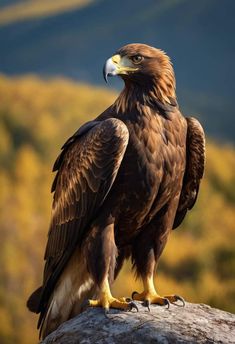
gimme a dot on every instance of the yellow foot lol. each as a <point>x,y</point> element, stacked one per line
<point>154,298</point>
<point>107,302</point>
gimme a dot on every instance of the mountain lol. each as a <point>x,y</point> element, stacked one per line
<point>198,35</point>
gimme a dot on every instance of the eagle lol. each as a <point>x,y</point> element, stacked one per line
<point>123,182</point>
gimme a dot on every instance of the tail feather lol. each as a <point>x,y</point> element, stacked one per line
<point>73,287</point>
<point>34,301</point>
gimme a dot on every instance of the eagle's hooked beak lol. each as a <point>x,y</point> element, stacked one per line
<point>117,65</point>
<point>111,67</point>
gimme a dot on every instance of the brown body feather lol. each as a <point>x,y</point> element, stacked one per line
<point>123,182</point>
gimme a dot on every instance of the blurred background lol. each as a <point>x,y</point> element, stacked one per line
<point>51,59</point>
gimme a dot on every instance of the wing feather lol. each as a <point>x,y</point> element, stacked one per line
<point>194,169</point>
<point>87,167</point>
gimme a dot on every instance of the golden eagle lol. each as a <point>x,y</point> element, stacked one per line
<point>123,182</point>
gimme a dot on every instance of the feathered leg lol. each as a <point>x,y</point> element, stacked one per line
<point>150,245</point>
<point>101,253</point>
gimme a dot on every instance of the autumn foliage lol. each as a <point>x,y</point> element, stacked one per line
<point>36,117</point>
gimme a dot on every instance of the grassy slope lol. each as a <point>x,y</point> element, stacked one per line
<point>36,116</point>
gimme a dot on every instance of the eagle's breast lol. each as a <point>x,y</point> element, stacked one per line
<point>153,167</point>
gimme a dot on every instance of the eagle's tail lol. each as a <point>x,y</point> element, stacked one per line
<point>61,310</point>
<point>67,299</point>
<point>34,300</point>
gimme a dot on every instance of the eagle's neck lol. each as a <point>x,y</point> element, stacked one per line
<point>159,93</point>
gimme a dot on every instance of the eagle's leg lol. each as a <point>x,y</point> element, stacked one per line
<point>146,270</point>
<point>150,246</point>
<point>101,253</point>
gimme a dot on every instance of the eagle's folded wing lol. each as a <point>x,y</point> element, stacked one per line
<point>195,162</point>
<point>87,168</point>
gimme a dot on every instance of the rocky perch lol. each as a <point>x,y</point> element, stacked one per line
<point>195,323</point>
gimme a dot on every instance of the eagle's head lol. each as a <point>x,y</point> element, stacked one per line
<point>144,67</point>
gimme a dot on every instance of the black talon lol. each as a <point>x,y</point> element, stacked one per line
<point>146,303</point>
<point>106,312</point>
<point>134,292</point>
<point>179,298</point>
<point>167,303</point>
<point>132,305</point>
<point>85,304</point>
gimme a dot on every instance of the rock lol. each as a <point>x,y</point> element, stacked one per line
<point>195,323</point>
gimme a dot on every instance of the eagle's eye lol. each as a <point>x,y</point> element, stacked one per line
<point>137,59</point>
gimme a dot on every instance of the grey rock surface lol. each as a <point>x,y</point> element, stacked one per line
<point>195,323</point>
